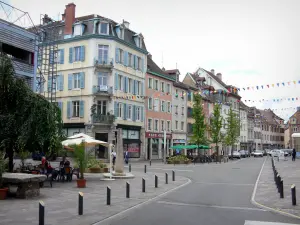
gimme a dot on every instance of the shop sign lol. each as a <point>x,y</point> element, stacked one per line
<point>133,147</point>
<point>157,135</point>
<point>133,134</point>
<point>178,141</point>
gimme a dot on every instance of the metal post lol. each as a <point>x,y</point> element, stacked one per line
<point>127,190</point>
<point>145,169</point>
<point>129,168</point>
<point>108,193</point>
<point>278,183</point>
<point>166,178</point>
<point>293,190</point>
<point>80,203</point>
<point>143,185</point>
<point>41,213</point>
<point>173,175</point>
<point>156,181</point>
<point>281,189</point>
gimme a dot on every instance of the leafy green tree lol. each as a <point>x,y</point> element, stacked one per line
<point>199,127</point>
<point>215,128</point>
<point>27,119</point>
<point>233,129</point>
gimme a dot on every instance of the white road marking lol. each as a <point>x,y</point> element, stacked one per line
<point>155,168</point>
<point>248,222</point>
<point>211,183</point>
<point>209,206</point>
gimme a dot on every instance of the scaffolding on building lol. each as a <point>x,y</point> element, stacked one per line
<point>46,47</point>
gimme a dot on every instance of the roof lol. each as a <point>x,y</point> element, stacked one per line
<point>243,106</point>
<point>153,67</point>
<point>180,85</point>
<point>172,71</point>
<point>216,78</point>
<point>270,116</point>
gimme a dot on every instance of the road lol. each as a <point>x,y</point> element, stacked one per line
<point>218,194</point>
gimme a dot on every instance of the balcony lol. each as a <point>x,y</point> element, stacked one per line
<point>103,90</point>
<point>22,68</point>
<point>103,119</point>
<point>104,63</point>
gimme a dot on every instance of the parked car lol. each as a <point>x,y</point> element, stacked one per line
<point>243,153</point>
<point>289,151</point>
<point>258,153</point>
<point>235,155</point>
<point>247,153</point>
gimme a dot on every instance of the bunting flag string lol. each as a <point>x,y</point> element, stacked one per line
<point>268,86</point>
<point>275,100</point>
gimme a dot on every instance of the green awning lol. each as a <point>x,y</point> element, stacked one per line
<point>180,147</point>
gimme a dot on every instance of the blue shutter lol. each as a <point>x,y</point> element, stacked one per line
<point>143,66</point>
<point>82,53</point>
<point>60,105</point>
<point>125,111</point>
<point>81,109</point>
<point>62,56</point>
<point>135,62</point>
<point>69,109</point>
<point>126,84</point>
<point>70,55</point>
<point>116,81</point>
<point>49,83</point>
<point>142,114</point>
<point>116,109</point>
<point>133,112</point>
<point>117,55</point>
<point>61,82</point>
<point>82,79</point>
<point>142,88</point>
<point>70,81</point>
<point>125,58</point>
<point>134,87</point>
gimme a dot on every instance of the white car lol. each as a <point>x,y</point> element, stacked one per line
<point>276,153</point>
<point>235,154</point>
<point>258,153</point>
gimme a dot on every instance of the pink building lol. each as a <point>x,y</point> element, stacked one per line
<point>158,105</point>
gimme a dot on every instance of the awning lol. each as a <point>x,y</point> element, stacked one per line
<point>180,147</point>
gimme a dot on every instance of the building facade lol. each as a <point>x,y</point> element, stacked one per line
<point>293,126</point>
<point>243,127</point>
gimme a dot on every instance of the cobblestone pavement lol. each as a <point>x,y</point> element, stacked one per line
<point>61,201</point>
<point>267,193</point>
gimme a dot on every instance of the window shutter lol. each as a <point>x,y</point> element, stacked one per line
<point>116,109</point>
<point>82,53</point>
<point>125,58</point>
<point>126,84</point>
<point>61,83</point>
<point>134,87</point>
<point>70,55</point>
<point>82,79</point>
<point>69,109</point>
<point>142,88</point>
<point>133,112</point>
<point>49,83</point>
<point>142,114</point>
<point>60,106</point>
<point>62,56</point>
<point>125,111</point>
<point>116,81</point>
<point>117,55</point>
<point>81,109</point>
<point>135,62</point>
<point>143,66</point>
<point>70,81</point>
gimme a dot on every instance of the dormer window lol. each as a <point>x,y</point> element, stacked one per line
<point>78,29</point>
<point>138,41</point>
<point>120,31</point>
<point>103,28</point>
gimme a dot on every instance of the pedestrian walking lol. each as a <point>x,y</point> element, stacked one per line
<point>294,155</point>
<point>126,156</point>
<point>114,155</point>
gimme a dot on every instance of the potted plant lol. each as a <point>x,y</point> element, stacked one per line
<point>3,167</point>
<point>82,159</point>
<point>94,166</point>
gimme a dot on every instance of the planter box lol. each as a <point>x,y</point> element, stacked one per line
<point>96,170</point>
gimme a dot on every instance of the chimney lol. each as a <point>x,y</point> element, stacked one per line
<point>212,71</point>
<point>219,75</point>
<point>46,19</point>
<point>126,24</point>
<point>150,56</point>
<point>69,16</point>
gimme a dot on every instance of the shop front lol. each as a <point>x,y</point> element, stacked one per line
<point>179,142</point>
<point>155,144</point>
<point>243,145</point>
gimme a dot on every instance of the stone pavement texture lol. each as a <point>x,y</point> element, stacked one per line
<point>61,201</point>
<point>267,193</point>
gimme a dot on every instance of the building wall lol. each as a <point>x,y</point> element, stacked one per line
<point>243,129</point>
<point>287,143</point>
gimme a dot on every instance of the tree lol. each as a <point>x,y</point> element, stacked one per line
<point>199,127</point>
<point>215,128</point>
<point>233,129</point>
<point>27,120</point>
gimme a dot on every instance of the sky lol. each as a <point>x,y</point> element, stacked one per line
<point>252,43</point>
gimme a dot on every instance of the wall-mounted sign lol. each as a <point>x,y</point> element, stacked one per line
<point>157,135</point>
<point>133,134</point>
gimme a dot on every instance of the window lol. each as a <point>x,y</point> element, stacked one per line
<point>102,54</point>
<point>120,83</point>
<point>156,85</point>
<point>138,89</point>
<point>101,107</point>
<point>162,87</point>
<point>176,93</point>
<point>121,33</point>
<point>163,106</point>
<point>76,54</point>
<point>176,109</point>
<point>168,125</point>
<point>102,79</point>
<point>150,81</point>
<point>156,125</point>
<point>295,129</point>
<point>76,80</point>
<point>103,28</point>
<point>78,29</point>
<point>120,110</point>
<point>150,103</point>
<point>168,88</point>
<point>182,110</point>
<point>156,105</point>
<point>139,59</point>
<point>182,125</point>
<point>176,125</point>
<point>75,109</point>
<point>121,56</point>
<point>129,113</point>
<point>182,94</point>
<point>130,60</point>
<point>169,107</point>
<point>162,125</point>
<point>130,85</point>
<point>138,113</point>
<point>149,124</point>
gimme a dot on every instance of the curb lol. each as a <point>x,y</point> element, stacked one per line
<point>259,205</point>
<point>122,213</point>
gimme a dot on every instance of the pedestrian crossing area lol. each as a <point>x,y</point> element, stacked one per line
<point>248,222</point>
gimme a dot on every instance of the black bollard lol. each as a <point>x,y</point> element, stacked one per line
<point>278,178</point>
<point>145,169</point>
<point>108,195</point>
<point>156,181</point>
<point>41,213</point>
<point>293,190</point>
<point>80,203</point>
<point>166,178</point>
<point>129,167</point>
<point>150,162</point>
<point>143,185</point>
<point>173,175</point>
<point>127,190</point>
<point>281,189</point>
